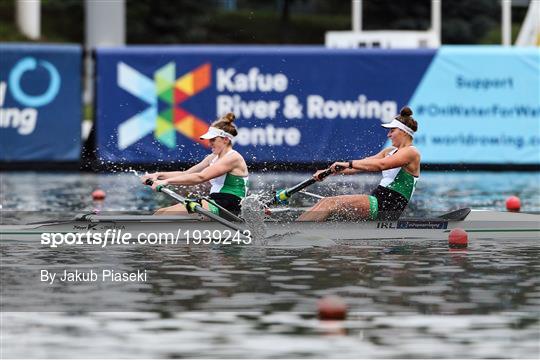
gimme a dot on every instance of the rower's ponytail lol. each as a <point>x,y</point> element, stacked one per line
<point>405,116</point>
<point>226,123</point>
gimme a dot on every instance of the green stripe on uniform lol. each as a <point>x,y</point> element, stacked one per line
<point>373,208</point>
<point>234,185</point>
<point>404,184</point>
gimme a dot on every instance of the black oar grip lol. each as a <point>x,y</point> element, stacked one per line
<point>324,174</point>
<point>149,182</point>
<point>329,171</point>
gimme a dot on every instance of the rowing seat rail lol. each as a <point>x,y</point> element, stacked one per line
<point>457,215</point>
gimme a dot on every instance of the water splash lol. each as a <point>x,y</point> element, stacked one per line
<point>253,213</point>
<point>131,170</point>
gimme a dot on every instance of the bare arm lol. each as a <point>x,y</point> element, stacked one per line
<point>215,170</point>
<point>168,175</point>
<point>399,159</point>
<point>349,171</point>
<point>380,155</point>
<point>377,163</point>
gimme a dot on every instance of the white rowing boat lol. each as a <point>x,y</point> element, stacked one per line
<point>479,224</point>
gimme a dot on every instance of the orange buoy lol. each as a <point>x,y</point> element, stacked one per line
<point>332,308</point>
<point>458,238</point>
<point>513,204</point>
<point>98,195</point>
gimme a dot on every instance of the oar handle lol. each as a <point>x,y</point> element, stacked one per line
<point>190,204</point>
<point>285,194</point>
<point>329,171</point>
<point>149,182</point>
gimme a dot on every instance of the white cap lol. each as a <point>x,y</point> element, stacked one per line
<point>216,132</point>
<point>397,124</point>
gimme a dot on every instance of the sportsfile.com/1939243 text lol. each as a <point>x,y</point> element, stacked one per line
<point>111,237</point>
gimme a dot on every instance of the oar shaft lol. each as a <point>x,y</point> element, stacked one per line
<point>287,193</point>
<point>195,207</point>
<point>308,182</point>
<point>299,186</point>
<point>229,214</point>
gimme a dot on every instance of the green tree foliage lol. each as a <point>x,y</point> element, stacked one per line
<point>62,20</point>
<point>265,21</point>
<point>168,22</point>
<point>463,21</point>
<point>467,22</point>
<point>398,15</point>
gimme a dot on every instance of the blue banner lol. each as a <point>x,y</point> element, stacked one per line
<point>312,104</point>
<point>302,104</point>
<point>40,102</point>
<point>480,105</point>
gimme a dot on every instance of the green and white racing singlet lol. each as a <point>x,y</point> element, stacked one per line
<point>399,180</point>
<point>229,183</point>
<point>393,194</point>
<point>227,190</point>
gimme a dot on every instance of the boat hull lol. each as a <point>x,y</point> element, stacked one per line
<point>478,224</point>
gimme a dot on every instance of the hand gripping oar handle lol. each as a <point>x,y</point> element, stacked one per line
<point>285,194</point>
<point>193,206</point>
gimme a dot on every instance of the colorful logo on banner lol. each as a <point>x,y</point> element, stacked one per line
<point>163,94</point>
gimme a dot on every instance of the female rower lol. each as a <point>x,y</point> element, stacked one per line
<point>400,166</point>
<point>225,169</point>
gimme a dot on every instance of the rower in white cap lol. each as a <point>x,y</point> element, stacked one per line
<point>400,166</point>
<point>225,169</point>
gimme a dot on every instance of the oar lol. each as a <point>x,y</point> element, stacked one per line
<point>284,194</point>
<point>193,206</point>
<point>222,210</point>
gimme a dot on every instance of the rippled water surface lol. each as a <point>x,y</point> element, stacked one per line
<point>405,299</point>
